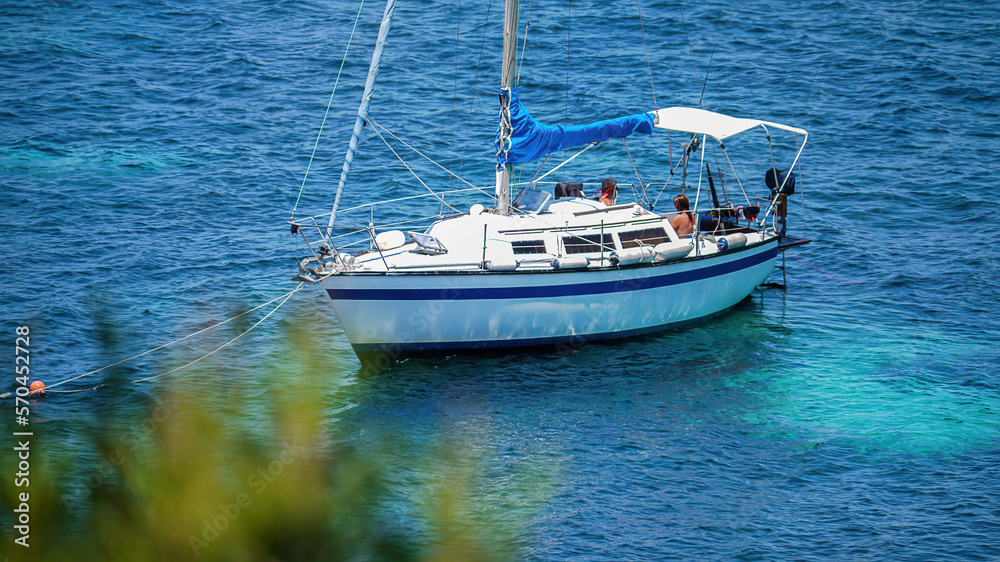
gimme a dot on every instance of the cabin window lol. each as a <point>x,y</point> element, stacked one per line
<point>588,243</point>
<point>648,237</point>
<point>528,247</point>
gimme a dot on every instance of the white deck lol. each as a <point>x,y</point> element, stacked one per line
<point>559,229</point>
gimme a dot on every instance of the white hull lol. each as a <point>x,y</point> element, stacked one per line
<point>399,313</point>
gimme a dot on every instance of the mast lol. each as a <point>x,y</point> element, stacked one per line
<point>383,33</point>
<point>504,172</point>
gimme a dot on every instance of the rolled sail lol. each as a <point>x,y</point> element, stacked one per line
<point>531,139</point>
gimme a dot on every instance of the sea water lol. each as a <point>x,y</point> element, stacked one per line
<point>151,152</point>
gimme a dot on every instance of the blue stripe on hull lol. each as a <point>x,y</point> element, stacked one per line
<point>544,291</point>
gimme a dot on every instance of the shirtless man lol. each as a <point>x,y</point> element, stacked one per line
<point>683,223</point>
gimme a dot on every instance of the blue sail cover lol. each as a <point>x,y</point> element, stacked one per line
<point>531,140</point>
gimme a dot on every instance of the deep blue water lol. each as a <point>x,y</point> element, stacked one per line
<point>150,153</point>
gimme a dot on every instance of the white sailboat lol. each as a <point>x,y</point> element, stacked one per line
<point>551,266</point>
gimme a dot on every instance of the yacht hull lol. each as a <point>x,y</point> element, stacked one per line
<point>421,312</point>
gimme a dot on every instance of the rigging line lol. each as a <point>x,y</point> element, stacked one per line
<point>673,170</point>
<point>704,84</point>
<point>384,202</point>
<point>540,166</point>
<point>454,94</point>
<point>541,61</point>
<point>567,161</point>
<point>722,176</point>
<point>735,175</point>
<point>774,171</point>
<point>328,105</point>
<point>541,66</point>
<point>670,148</point>
<point>524,44</point>
<point>436,196</point>
<point>802,191</point>
<point>646,49</point>
<point>173,342</point>
<point>664,188</point>
<point>680,7</point>
<point>428,158</point>
<point>223,346</point>
<point>387,201</point>
<point>642,185</point>
<point>569,27</point>
<point>475,88</point>
<point>701,161</point>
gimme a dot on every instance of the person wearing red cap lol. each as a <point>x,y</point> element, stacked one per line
<point>609,192</point>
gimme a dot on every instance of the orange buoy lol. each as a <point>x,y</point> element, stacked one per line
<point>37,386</point>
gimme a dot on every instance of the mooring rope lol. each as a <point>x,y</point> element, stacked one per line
<point>285,296</point>
<point>223,346</point>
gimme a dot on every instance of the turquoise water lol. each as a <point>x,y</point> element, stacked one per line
<point>150,153</point>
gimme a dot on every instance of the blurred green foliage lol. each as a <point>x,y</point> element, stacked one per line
<point>212,470</point>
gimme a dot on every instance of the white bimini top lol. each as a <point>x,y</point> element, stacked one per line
<point>715,125</point>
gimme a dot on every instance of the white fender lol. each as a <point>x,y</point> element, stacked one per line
<point>570,262</point>
<point>499,266</point>
<point>629,256</point>
<point>731,241</point>
<point>672,250</point>
<point>390,240</point>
